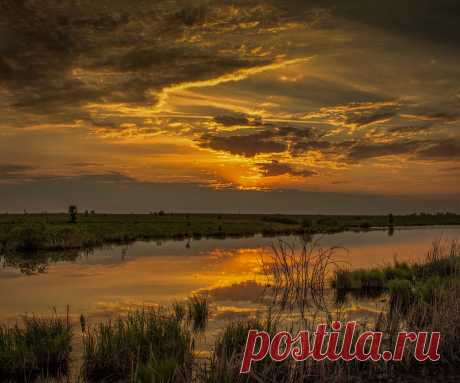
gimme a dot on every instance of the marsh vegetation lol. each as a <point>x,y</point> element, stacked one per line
<point>35,348</point>
<point>303,278</point>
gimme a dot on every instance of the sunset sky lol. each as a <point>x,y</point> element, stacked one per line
<point>277,106</point>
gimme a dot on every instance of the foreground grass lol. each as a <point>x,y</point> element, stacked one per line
<point>32,232</point>
<point>198,311</point>
<point>150,345</point>
<point>38,347</point>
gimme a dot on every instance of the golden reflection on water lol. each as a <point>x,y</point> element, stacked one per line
<point>113,280</point>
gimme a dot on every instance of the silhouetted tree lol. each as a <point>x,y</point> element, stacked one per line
<point>73,213</point>
<point>391,220</point>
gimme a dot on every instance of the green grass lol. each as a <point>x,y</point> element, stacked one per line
<point>149,345</point>
<point>38,347</point>
<point>30,232</point>
<point>198,311</point>
<point>229,347</point>
<point>407,283</point>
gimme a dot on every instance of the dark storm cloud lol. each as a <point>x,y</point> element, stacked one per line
<point>127,51</point>
<point>306,146</point>
<point>429,20</point>
<point>270,140</point>
<point>232,120</point>
<point>56,58</point>
<point>276,168</point>
<point>435,150</point>
<point>361,152</point>
<point>248,146</point>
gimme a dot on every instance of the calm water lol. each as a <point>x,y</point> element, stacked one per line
<point>115,279</point>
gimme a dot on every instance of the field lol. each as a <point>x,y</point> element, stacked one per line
<point>30,232</point>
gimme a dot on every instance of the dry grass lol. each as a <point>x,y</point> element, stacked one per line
<point>298,276</point>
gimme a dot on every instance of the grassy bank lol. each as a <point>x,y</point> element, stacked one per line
<point>32,232</point>
<point>405,282</point>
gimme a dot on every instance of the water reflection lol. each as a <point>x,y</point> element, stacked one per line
<point>115,279</point>
<point>37,262</point>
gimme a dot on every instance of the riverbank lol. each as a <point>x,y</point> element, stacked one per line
<point>32,232</point>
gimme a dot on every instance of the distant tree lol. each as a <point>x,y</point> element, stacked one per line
<point>391,220</point>
<point>73,213</point>
<point>93,212</point>
<point>161,213</point>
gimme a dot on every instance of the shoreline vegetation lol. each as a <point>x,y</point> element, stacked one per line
<point>157,344</point>
<point>74,231</point>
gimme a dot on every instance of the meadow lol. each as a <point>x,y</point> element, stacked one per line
<point>32,232</point>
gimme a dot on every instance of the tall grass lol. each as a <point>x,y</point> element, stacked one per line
<point>225,362</point>
<point>198,311</point>
<point>38,347</point>
<point>298,276</point>
<point>149,345</point>
<point>441,263</point>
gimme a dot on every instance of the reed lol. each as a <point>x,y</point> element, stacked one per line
<point>298,276</point>
<point>146,345</point>
<point>401,279</point>
<point>38,347</point>
<point>198,311</point>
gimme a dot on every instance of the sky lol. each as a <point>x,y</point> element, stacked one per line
<point>288,106</point>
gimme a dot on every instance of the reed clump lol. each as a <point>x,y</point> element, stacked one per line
<point>405,282</point>
<point>38,347</point>
<point>148,345</point>
<point>297,276</point>
<point>198,311</point>
<point>224,365</point>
